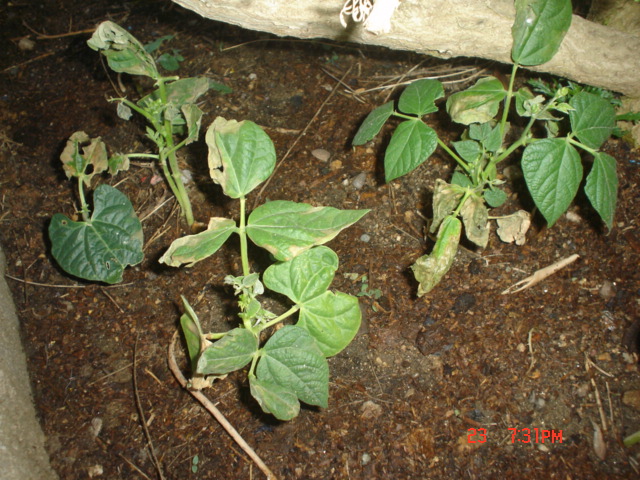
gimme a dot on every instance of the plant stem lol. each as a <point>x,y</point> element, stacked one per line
<point>461,162</point>
<point>466,195</point>
<point>84,208</point>
<point>507,101</point>
<point>143,155</point>
<point>582,146</point>
<point>170,161</point>
<point>286,314</point>
<point>242,231</point>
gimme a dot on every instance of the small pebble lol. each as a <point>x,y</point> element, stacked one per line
<point>365,459</point>
<point>321,154</point>
<point>335,165</point>
<point>365,238</point>
<point>95,471</point>
<point>26,44</point>
<point>607,290</point>
<point>359,180</point>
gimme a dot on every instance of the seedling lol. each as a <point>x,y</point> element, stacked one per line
<point>169,60</point>
<point>101,245</point>
<point>170,109</point>
<point>552,166</point>
<point>291,366</point>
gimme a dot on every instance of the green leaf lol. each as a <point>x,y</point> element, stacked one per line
<point>429,269</point>
<point>101,248</point>
<point>476,104</point>
<point>420,96</point>
<point>602,187</point>
<point>193,248</point>
<point>170,61</point>
<point>411,144</point>
<point>373,123</point>
<point>469,150</point>
<point>241,156</point>
<point>494,197</point>
<point>118,163</point>
<point>333,319</point>
<point>552,171</point>
<point>192,333</point>
<point>538,30</point>
<point>304,277</point>
<point>219,87</point>
<point>460,179</point>
<point>232,352</point>
<point>523,97</point>
<point>592,120</point>
<point>280,402</point>
<point>179,94</point>
<point>287,229</point>
<point>151,47</point>
<point>123,51</point>
<point>476,220</point>
<point>446,198</point>
<point>632,439</point>
<point>292,360</point>
<point>193,117</point>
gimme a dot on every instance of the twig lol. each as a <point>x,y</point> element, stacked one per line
<point>53,285</point>
<point>143,420</point>
<point>541,274</point>
<point>302,134</point>
<point>39,57</point>
<point>109,374</point>
<point>533,358</point>
<point>42,36</point>
<point>603,418</point>
<point>112,299</point>
<point>132,465</point>
<point>206,403</point>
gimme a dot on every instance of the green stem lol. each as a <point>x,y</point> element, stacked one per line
<point>143,155</point>
<point>466,195</point>
<point>576,143</point>
<point>507,101</point>
<point>135,108</point>
<point>286,314</point>
<point>461,162</point>
<point>170,160</point>
<point>405,116</point>
<point>254,362</point>
<point>242,231</point>
<point>84,208</point>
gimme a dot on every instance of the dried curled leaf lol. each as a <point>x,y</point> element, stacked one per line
<point>514,227</point>
<point>445,200</point>
<point>94,153</point>
<point>476,220</point>
<point>429,269</point>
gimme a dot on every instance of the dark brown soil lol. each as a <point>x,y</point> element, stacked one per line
<point>422,375</point>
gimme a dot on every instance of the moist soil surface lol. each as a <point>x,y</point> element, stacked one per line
<point>431,387</point>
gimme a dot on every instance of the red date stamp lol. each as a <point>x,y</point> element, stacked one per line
<point>518,435</point>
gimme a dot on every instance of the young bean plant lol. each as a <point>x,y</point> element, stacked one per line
<point>100,245</point>
<point>291,366</point>
<point>552,166</point>
<point>172,113</point>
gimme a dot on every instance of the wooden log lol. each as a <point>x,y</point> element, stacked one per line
<point>591,53</point>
